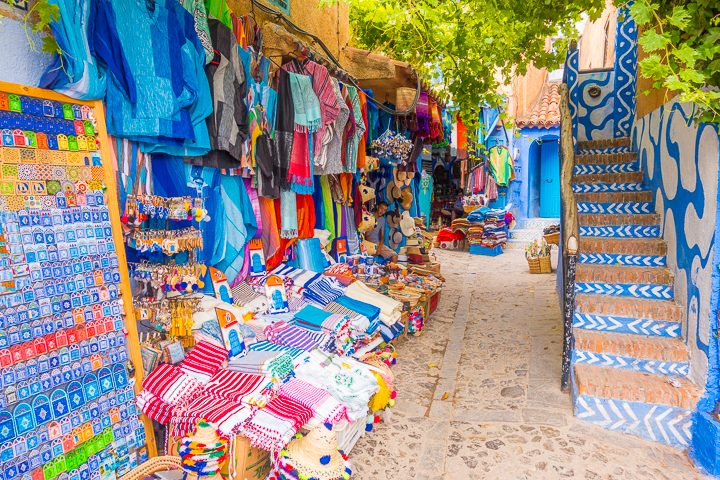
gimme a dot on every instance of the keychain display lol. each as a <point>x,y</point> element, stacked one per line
<point>168,242</point>
<point>154,212</point>
<point>392,146</point>
<point>67,407</point>
<point>155,282</point>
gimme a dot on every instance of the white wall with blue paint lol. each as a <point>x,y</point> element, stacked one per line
<point>20,62</point>
<point>680,159</point>
<point>596,105</point>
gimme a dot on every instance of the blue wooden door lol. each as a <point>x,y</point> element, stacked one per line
<point>549,179</point>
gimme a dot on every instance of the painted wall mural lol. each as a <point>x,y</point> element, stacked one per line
<point>626,55</point>
<point>596,105</point>
<point>680,160</point>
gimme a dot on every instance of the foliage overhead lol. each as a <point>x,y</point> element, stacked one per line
<point>682,42</point>
<point>469,44</point>
<point>39,18</point>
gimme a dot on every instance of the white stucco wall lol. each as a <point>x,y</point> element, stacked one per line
<point>19,63</point>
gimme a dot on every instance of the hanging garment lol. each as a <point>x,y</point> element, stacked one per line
<point>219,9</point>
<point>323,88</point>
<point>501,165</point>
<point>305,216</point>
<point>199,13</point>
<point>267,169</point>
<point>228,124</point>
<point>271,227</point>
<point>329,159</point>
<point>288,214</point>
<point>355,138</point>
<point>285,127</point>
<point>87,36</point>
<point>307,117</point>
<point>422,112</point>
<point>424,199</point>
<point>373,114</point>
<point>462,141</point>
<point>491,190</point>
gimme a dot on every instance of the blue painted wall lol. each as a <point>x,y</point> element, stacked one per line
<point>680,163</point>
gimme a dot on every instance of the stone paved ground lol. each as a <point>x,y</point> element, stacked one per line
<point>479,396</point>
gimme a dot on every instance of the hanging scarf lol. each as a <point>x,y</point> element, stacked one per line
<point>349,133</point>
<point>361,154</point>
<point>323,88</point>
<point>422,111</point>
<point>307,121</point>
<point>329,160</point>
<point>271,231</point>
<point>305,216</point>
<point>355,138</point>
<point>285,126</point>
<point>288,214</point>
<point>335,188</point>
<point>328,207</point>
<point>267,169</point>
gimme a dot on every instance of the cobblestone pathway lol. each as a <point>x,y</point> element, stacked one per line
<point>494,347</point>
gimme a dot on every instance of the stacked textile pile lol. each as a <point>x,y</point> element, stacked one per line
<point>490,228</point>
<point>390,310</point>
<point>460,225</point>
<point>475,233</point>
<point>336,326</point>
<point>278,365</point>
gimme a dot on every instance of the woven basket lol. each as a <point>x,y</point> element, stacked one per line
<point>471,208</point>
<point>154,465</point>
<point>534,264</point>
<point>545,265</point>
<point>553,238</point>
<point>404,98</point>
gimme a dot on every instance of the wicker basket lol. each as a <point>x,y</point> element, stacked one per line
<point>553,238</point>
<point>539,264</point>
<point>404,98</point>
<point>471,208</point>
<point>154,465</point>
<point>545,265</point>
<point>534,264</point>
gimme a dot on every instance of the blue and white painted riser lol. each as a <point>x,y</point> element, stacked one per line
<point>659,423</point>
<point>653,367</point>
<point>617,207</point>
<point>604,151</point>
<point>599,168</point>
<point>635,326</point>
<point>622,259</point>
<point>635,290</point>
<point>607,187</point>
<point>621,231</point>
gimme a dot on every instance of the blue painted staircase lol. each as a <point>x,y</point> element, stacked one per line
<point>630,364</point>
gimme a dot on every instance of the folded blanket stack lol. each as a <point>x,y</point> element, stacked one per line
<point>323,290</point>
<point>337,326</point>
<point>390,309</point>
<point>325,407</point>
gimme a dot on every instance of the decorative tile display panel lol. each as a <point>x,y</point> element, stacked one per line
<point>67,407</point>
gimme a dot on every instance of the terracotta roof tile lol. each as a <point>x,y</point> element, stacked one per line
<point>546,111</point>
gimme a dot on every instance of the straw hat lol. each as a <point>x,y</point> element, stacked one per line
<point>395,238</point>
<point>315,455</point>
<point>407,224</point>
<point>393,219</point>
<point>367,193</point>
<point>393,192</point>
<point>406,198</point>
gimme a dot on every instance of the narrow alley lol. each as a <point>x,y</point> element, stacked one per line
<point>495,348</point>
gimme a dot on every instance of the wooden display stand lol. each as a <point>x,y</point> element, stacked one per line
<point>111,200</point>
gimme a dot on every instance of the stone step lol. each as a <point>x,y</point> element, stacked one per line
<point>600,168</point>
<point>663,349</point>
<point>634,326</point>
<point>602,219</point>
<point>606,187</point>
<point>588,273</point>
<point>637,308</point>
<point>616,207</point>
<point>615,197</point>
<point>622,259</point>
<point>634,290</point>
<point>620,231</point>
<point>606,158</point>
<point>604,143</point>
<point>604,151</point>
<point>649,406</point>
<point>632,177</point>
<point>623,246</point>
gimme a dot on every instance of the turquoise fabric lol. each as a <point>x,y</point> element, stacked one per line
<point>424,198</point>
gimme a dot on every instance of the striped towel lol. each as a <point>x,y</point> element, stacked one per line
<point>266,346</point>
<point>291,336</point>
<point>325,407</point>
<point>323,290</point>
<point>237,386</point>
<point>204,361</point>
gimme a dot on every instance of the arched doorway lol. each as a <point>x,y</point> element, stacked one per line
<point>544,178</point>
